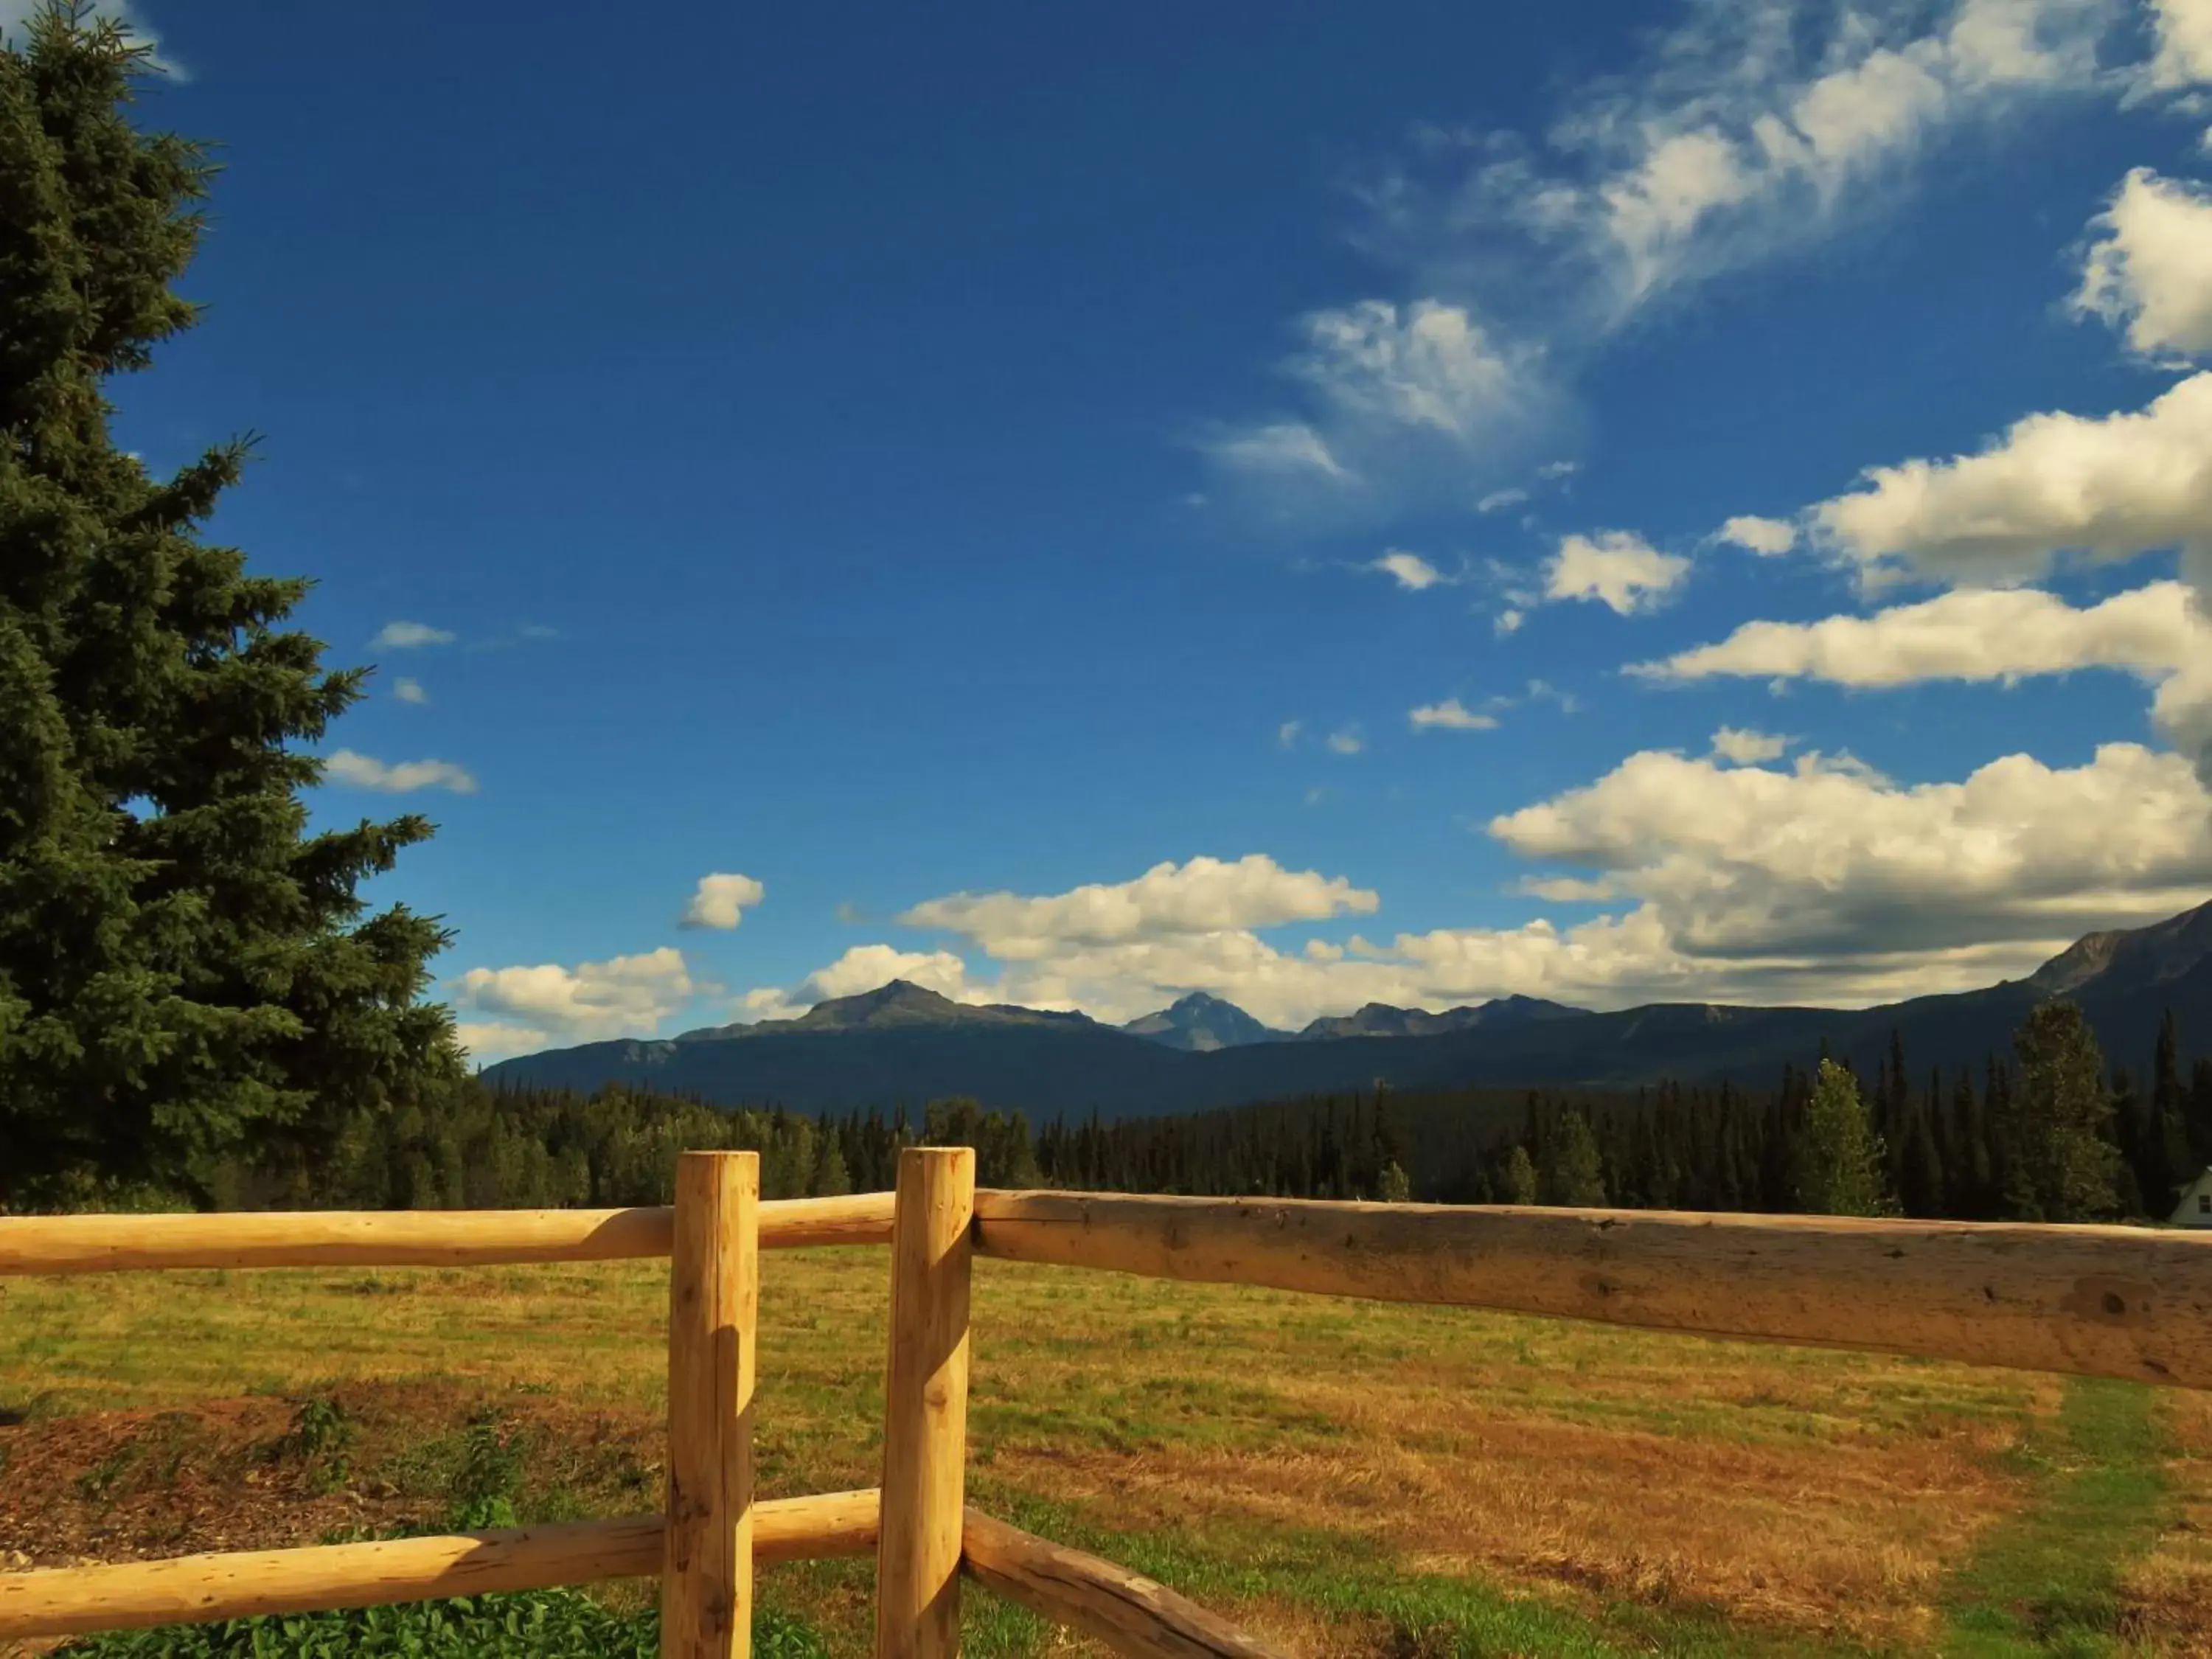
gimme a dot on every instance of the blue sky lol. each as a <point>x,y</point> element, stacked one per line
<point>1078,504</point>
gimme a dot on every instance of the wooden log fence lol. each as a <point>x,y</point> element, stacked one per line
<point>2119,1302</point>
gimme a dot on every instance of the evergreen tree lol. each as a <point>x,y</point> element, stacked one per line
<point>2061,1160</point>
<point>1920,1185</point>
<point>2198,1115</point>
<point>832,1179</point>
<point>2166,1164</point>
<point>1520,1182</point>
<point>183,970</point>
<point>1575,1178</point>
<point>1840,1163</point>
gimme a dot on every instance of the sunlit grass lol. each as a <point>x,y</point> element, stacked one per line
<point>1404,1469</point>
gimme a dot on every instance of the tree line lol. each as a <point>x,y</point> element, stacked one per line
<point>2045,1133</point>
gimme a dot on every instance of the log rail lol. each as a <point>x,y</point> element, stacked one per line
<point>2115,1302</point>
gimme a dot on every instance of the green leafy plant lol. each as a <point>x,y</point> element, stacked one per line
<point>487,1483</point>
<point>536,1626</point>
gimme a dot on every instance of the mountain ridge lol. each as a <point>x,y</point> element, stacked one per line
<point>906,1047</point>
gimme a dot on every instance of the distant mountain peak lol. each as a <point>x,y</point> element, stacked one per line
<point>2130,957</point>
<point>1381,1019</point>
<point>1202,1022</point>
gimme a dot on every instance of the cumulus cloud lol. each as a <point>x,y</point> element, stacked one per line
<point>1619,570</point>
<point>1345,741</point>
<point>1969,634</point>
<point>720,900</point>
<point>865,966</point>
<point>2150,272</point>
<point>1732,880</point>
<point>623,996</point>
<point>409,636</point>
<point>1742,746</point>
<point>1507,620</point>
<point>1450,716</point>
<point>1410,570</point>
<point>1205,895</point>
<point>409,690</point>
<point>2184,29</point>
<point>2104,489</point>
<point>1831,863</point>
<point>2108,489</point>
<point>1764,537</point>
<point>1286,734</point>
<point>396,777</point>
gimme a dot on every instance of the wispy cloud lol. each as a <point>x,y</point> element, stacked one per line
<point>409,636</point>
<point>396,777</point>
<point>1450,716</point>
<point>1410,570</point>
<point>409,690</point>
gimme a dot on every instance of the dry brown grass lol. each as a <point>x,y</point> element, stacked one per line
<point>1792,1490</point>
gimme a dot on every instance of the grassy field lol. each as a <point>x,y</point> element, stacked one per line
<point>1347,1478</point>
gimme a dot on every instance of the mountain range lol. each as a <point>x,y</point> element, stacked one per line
<point>904,1044</point>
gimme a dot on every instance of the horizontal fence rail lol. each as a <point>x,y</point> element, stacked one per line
<point>1128,1611</point>
<point>2124,1302</point>
<point>199,1588</point>
<point>402,1239</point>
<point>2120,1302</point>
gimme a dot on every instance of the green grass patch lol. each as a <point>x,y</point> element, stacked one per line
<point>2046,1583</point>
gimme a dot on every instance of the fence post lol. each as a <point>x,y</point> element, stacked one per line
<point>714,1301</point>
<point>926,1408</point>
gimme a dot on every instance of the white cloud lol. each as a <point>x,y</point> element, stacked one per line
<point>2110,489</point>
<point>1205,895</point>
<point>2150,273</point>
<point>1749,134</point>
<point>1506,622</point>
<point>408,635</point>
<point>621,996</point>
<point>1972,633</point>
<point>1398,397</point>
<point>865,967</point>
<point>409,690</point>
<point>1825,882</point>
<point>1833,866</point>
<point>1499,499</point>
<point>1450,716</point>
<point>1620,570</point>
<point>1345,741</point>
<point>2106,489</point>
<point>1412,571</point>
<point>720,900</point>
<point>396,777</point>
<point>1764,537</point>
<point>1742,746</point>
<point>1286,734</point>
<point>1426,366</point>
<point>487,1040</point>
<point>2184,28</point>
<point>1284,447</point>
